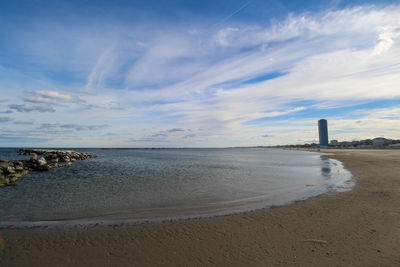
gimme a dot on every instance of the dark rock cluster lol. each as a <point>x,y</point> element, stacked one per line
<point>41,160</point>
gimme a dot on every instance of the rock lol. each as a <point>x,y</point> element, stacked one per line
<point>51,157</point>
<point>69,164</point>
<point>9,170</point>
<point>5,181</point>
<point>34,157</point>
<point>19,169</point>
<point>42,162</point>
<point>65,159</point>
<point>52,166</point>
<point>4,164</point>
<point>19,163</point>
<point>23,173</point>
<point>42,168</point>
<point>30,164</point>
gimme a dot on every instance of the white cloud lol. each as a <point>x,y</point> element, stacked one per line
<point>386,38</point>
<point>50,97</point>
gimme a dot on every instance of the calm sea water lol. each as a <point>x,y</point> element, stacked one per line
<point>137,185</point>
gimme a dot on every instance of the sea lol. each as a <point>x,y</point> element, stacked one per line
<point>131,186</point>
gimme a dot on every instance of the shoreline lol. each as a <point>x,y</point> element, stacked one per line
<point>341,180</point>
<point>357,227</point>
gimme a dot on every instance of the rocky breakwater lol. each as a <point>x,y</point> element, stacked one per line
<point>41,160</point>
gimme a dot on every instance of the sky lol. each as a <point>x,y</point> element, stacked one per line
<point>197,73</point>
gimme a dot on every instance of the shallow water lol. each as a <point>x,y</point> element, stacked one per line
<point>137,185</point>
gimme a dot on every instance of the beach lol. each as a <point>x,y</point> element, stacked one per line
<point>360,227</point>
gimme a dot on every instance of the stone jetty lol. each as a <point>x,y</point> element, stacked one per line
<point>41,160</point>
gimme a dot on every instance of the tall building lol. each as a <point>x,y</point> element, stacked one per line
<point>323,132</point>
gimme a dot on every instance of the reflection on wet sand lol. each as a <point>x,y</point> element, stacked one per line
<point>326,167</point>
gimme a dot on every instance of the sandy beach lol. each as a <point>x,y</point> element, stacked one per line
<point>356,228</point>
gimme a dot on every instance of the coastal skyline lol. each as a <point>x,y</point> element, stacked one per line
<point>215,73</point>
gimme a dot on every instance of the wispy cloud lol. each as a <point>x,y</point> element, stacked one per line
<point>75,127</point>
<point>173,130</point>
<point>146,140</point>
<point>159,135</point>
<point>30,108</point>
<point>266,135</point>
<point>5,119</point>
<point>24,122</point>
<point>51,97</point>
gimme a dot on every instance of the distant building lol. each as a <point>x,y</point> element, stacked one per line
<point>323,132</point>
<point>345,144</point>
<point>334,142</point>
<point>379,141</point>
<point>355,143</point>
<point>395,145</point>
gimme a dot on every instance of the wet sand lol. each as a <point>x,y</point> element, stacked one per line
<point>356,228</point>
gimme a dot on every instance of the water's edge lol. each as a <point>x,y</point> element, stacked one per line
<point>194,212</point>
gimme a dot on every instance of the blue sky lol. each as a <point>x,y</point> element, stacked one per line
<point>197,73</point>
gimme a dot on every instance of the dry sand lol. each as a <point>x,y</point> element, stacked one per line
<point>360,227</point>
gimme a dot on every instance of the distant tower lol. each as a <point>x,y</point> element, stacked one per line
<point>323,132</point>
